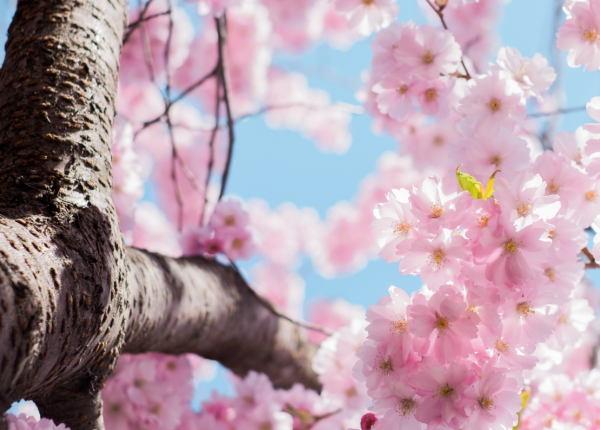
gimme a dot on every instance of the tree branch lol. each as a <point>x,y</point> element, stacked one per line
<point>197,305</point>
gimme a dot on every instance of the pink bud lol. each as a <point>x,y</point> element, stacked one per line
<point>367,421</point>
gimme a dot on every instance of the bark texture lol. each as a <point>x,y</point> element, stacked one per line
<point>72,297</point>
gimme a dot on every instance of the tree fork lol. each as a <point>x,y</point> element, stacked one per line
<point>72,297</point>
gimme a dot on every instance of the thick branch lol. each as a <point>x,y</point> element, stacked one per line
<point>198,305</point>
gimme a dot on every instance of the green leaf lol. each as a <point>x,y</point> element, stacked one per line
<point>489,190</point>
<point>470,184</point>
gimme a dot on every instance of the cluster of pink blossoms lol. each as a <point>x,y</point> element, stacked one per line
<point>25,422</point>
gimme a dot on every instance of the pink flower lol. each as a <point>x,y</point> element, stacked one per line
<point>502,151</point>
<point>492,102</point>
<point>527,317</point>
<point>431,96</point>
<point>228,217</point>
<point>367,16</point>
<point>445,313</point>
<point>572,146</point>
<point>376,363</point>
<point>511,248</point>
<point>393,97</point>
<point>396,224</point>
<point>580,36</point>
<point>525,196</point>
<point>442,389</point>
<point>533,75</point>
<point>23,422</point>
<point>437,260</point>
<point>493,401</point>
<point>439,204</point>
<point>384,44</point>
<point>388,321</point>
<point>431,52</point>
<point>397,402</point>
<point>238,245</point>
<point>593,110</point>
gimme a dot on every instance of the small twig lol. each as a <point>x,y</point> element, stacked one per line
<point>592,264</point>
<point>439,12</point>
<point>353,109</point>
<point>211,149</point>
<point>174,158</point>
<point>133,26</point>
<point>269,306</point>
<point>557,112</point>
<point>168,52</point>
<point>221,23</point>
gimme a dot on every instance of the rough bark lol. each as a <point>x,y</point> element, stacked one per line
<point>71,296</point>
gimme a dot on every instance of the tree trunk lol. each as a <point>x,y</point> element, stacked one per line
<point>72,297</point>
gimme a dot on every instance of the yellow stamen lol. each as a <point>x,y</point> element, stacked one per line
<point>523,209</point>
<point>483,220</point>
<point>436,210</point>
<point>552,188</point>
<point>237,243</point>
<point>446,390</point>
<point>229,220</point>
<point>494,105</point>
<point>485,402</point>
<point>441,323</point>
<point>524,309</point>
<point>496,160</point>
<point>590,34</point>
<point>590,196</point>
<point>406,406</point>
<point>550,274</point>
<point>386,366</point>
<point>428,57</point>
<point>402,227</point>
<point>511,246</point>
<point>431,94</point>
<point>437,258</point>
<point>399,326</point>
<point>501,346</point>
<point>402,89</point>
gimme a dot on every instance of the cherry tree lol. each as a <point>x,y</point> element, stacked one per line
<point>111,304</point>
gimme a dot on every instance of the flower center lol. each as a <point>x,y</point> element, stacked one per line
<point>496,160</point>
<point>523,209</point>
<point>552,234</point>
<point>550,274</point>
<point>438,141</point>
<point>229,220</point>
<point>115,408</point>
<point>436,210</point>
<point>445,390</point>
<point>441,323</point>
<point>563,319</point>
<point>140,383</point>
<point>407,406</point>
<point>155,409</point>
<point>483,220</point>
<point>431,94</point>
<point>552,188</point>
<point>428,57</point>
<point>386,366</point>
<point>351,392</point>
<point>501,346</point>
<point>485,403</point>
<point>524,309</point>
<point>590,34</point>
<point>266,426</point>
<point>590,196</point>
<point>437,257</point>
<point>401,227</point>
<point>511,246</point>
<point>494,105</point>
<point>402,89</point>
<point>398,326</point>
<point>472,309</point>
<point>237,243</point>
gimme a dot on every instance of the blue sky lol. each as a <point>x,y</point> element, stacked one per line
<point>280,166</point>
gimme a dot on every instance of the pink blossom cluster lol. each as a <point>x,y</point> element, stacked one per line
<point>24,422</point>
<point>227,232</point>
